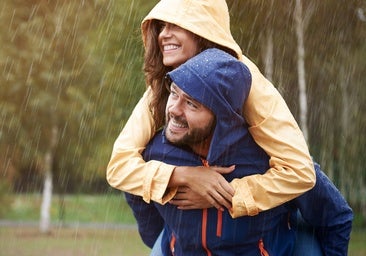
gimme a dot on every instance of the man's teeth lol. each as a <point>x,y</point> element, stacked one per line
<point>179,125</point>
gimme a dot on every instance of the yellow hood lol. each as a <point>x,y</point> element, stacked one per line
<point>207,18</point>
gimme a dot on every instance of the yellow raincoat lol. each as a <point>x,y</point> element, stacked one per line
<point>272,126</point>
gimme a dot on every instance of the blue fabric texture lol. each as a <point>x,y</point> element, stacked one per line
<point>325,209</point>
<point>222,83</point>
<point>239,236</point>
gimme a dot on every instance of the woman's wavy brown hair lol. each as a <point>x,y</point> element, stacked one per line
<point>155,71</point>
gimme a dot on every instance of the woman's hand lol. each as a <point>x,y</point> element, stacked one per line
<point>202,187</point>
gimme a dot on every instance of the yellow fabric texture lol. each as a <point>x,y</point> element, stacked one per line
<point>272,126</point>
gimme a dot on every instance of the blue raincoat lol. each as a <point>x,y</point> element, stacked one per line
<point>215,79</point>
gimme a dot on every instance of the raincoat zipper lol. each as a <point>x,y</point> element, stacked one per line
<point>204,221</point>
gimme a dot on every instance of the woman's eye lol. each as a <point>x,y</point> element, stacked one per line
<point>161,25</point>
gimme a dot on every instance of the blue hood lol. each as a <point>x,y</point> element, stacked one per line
<point>221,83</point>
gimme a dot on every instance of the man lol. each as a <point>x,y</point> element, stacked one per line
<point>204,125</point>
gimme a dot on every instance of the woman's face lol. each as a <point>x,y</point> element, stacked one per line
<point>176,44</point>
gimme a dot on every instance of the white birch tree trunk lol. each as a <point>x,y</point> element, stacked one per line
<point>299,24</point>
<point>268,55</point>
<point>45,219</point>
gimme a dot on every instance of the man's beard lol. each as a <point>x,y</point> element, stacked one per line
<point>195,136</point>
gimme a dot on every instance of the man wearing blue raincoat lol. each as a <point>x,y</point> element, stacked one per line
<point>217,84</point>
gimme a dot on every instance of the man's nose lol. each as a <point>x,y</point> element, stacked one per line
<point>176,109</point>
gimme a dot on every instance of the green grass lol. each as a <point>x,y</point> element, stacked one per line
<point>27,241</point>
<point>69,234</point>
<point>109,208</point>
<point>78,239</point>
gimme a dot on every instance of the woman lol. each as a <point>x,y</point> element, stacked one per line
<point>174,31</point>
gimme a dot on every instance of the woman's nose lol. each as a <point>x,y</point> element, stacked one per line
<point>166,31</point>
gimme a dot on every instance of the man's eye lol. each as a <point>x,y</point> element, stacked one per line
<point>191,104</point>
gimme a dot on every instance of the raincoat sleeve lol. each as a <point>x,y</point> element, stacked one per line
<point>127,171</point>
<point>274,129</point>
<point>149,221</point>
<point>332,221</point>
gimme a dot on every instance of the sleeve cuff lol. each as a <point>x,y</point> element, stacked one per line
<point>170,193</point>
<point>155,185</point>
<point>243,201</point>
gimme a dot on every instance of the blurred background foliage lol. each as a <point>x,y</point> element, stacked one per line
<point>71,71</point>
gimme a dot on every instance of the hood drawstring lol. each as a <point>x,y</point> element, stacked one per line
<point>262,249</point>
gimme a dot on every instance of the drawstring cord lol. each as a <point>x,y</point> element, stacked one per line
<point>262,249</point>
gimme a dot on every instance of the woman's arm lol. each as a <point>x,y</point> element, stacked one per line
<point>153,180</point>
<point>274,129</point>
<point>127,171</point>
